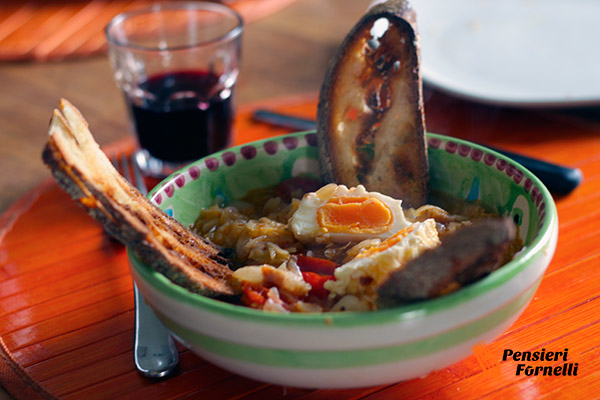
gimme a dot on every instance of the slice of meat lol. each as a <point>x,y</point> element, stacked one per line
<point>463,257</point>
<point>370,120</point>
<point>87,175</point>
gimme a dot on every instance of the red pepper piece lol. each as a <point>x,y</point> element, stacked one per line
<point>253,296</point>
<point>317,265</point>
<point>317,281</point>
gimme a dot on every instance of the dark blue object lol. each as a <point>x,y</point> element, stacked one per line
<point>558,179</point>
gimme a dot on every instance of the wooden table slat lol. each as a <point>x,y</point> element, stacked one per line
<point>61,29</point>
<point>77,339</point>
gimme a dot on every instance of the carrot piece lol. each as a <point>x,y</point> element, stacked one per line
<point>316,265</point>
<point>253,296</point>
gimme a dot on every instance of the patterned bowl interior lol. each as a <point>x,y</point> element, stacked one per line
<point>458,168</point>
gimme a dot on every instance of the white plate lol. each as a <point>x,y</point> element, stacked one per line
<point>516,52</point>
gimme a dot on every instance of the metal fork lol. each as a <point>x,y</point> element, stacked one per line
<point>154,350</point>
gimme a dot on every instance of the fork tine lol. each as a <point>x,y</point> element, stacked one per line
<point>139,179</point>
<point>114,161</point>
<point>125,167</point>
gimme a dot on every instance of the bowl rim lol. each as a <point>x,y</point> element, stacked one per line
<point>348,318</point>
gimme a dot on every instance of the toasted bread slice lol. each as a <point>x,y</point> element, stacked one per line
<point>87,175</point>
<point>370,116</point>
<point>463,257</point>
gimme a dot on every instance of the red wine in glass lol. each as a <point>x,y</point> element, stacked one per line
<point>183,115</point>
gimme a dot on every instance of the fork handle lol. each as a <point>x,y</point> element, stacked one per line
<point>154,352</point>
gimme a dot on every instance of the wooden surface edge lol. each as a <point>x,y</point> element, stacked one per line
<point>15,381</point>
<point>13,377</point>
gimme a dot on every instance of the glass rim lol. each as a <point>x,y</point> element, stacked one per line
<point>233,33</point>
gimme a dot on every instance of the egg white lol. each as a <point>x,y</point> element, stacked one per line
<point>378,266</point>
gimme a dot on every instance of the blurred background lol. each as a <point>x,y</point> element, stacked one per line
<point>54,49</point>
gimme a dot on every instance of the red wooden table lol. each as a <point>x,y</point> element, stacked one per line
<point>66,308</point>
<point>56,29</point>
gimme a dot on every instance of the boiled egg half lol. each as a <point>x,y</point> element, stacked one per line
<point>338,214</point>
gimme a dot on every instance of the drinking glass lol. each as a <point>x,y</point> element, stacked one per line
<point>177,64</point>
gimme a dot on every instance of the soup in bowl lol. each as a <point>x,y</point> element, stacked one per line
<point>333,349</point>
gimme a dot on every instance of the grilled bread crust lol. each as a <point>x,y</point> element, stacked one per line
<point>87,175</point>
<point>468,254</point>
<point>371,126</point>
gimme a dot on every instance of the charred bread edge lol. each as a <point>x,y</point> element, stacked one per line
<point>198,266</point>
<point>403,14</point>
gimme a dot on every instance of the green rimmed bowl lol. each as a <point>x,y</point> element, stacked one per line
<point>344,350</point>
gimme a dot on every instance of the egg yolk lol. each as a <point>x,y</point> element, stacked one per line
<point>355,215</point>
<point>387,243</point>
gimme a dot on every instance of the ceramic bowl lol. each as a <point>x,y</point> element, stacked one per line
<point>344,350</point>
